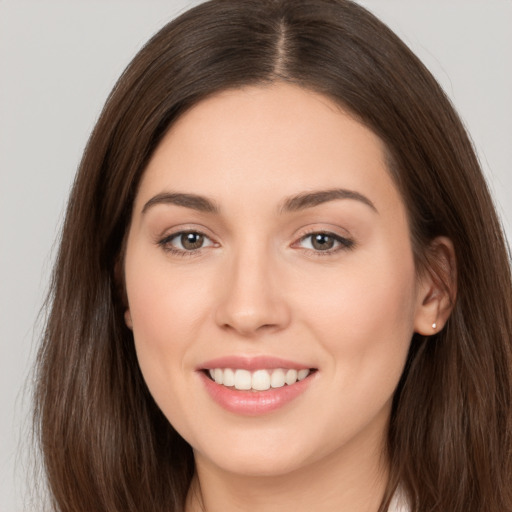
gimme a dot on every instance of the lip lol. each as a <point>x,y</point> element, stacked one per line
<point>253,403</point>
<point>252,363</point>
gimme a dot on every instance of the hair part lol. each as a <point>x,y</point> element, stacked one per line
<point>105,444</point>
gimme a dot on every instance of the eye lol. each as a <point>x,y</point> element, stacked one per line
<point>325,242</point>
<point>185,242</point>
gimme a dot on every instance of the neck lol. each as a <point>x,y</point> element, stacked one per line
<point>350,479</point>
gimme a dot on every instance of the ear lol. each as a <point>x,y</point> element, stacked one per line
<point>128,319</point>
<point>121,292</point>
<point>437,287</point>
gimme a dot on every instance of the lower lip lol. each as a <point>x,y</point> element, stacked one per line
<point>254,403</point>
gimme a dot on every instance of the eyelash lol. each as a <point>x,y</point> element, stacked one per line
<point>165,243</point>
<point>344,243</point>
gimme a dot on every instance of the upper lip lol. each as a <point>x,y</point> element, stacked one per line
<point>252,363</point>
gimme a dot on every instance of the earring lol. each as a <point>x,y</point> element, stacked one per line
<point>434,326</point>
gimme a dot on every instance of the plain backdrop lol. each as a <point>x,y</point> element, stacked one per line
<point>59,60</point>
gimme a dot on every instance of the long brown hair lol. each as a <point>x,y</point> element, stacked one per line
<point>105,444</point>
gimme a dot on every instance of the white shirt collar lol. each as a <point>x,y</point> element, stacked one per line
<point>399,503</point>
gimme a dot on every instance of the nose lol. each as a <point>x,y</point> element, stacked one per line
<point>253,296</point>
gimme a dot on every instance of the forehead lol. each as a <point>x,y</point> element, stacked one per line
<point>268,142</point>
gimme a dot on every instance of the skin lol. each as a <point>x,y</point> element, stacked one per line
<point>259,287</point>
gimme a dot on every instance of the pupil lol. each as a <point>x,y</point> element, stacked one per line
<point>192,240</point>
<point>323,242</point>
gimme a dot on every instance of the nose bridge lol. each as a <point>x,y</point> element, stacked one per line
<point>253,299</point>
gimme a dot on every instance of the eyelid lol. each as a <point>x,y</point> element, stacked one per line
<point>179,234</point>
<point>177,229</point>
<point>164,241</point>
<point>344,242</point>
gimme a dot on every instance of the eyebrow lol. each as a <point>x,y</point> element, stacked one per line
<point>192,201</point>
<point>292,204</point>
<point>310,199</point>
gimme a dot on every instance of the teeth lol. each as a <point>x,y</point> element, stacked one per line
<point>277,380</point>
<point>243,380</point>
<point>218,375</point>
<point>259,380</point>
<point>302,374</point>
<point>291,377</point>
<point>229,377</point>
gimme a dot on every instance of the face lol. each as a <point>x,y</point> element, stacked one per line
<point>269,250</point>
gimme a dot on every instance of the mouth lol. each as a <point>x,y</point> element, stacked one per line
<point>253,386</point>
<point>257,380</point>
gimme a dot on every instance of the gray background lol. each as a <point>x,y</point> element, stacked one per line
<point>59,60</point>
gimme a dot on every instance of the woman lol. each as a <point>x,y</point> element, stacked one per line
<point>281,281</point>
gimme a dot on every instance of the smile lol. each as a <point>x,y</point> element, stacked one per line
<point>252,386</point>
<point>258,380</point>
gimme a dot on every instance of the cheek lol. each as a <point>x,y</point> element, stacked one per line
<point>165,309</point>
<point>364,318</point>
<point>160,295</point>
<point>359,296</point>
<point>166,318</point>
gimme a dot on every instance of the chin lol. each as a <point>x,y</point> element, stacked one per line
<point>259,455</point>
<point>259,466</point>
